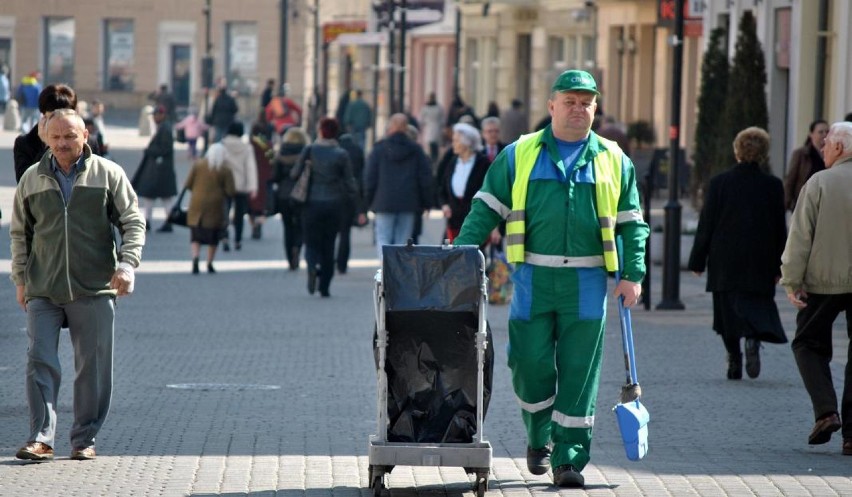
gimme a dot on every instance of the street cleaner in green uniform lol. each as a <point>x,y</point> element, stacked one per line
<point>565,193</point>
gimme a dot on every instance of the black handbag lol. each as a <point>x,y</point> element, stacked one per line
<point>177,214</point>
<point>180,136</point>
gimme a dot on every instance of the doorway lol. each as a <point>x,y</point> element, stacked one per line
<point>180,72</point>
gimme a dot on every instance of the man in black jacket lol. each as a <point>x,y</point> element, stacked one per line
<point>29,147</point>
<point>353,208</point>
<point>222,113</point>
<point>397,183</point>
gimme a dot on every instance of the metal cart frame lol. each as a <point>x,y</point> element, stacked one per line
<point>474,457</point>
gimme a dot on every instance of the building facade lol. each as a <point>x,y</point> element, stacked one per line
<point>119,52</point>
<point>808,50</point>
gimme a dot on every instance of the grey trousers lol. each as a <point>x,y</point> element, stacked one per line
<point>812,349</point>
<point>91,324</point>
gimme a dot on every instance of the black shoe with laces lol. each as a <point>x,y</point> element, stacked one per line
<point>567,476</point>
<point>752,357</point>
<point>538,460</point>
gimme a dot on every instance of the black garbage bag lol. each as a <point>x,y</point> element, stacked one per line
<point>432,317</point>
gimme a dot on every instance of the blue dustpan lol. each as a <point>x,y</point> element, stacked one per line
<point>632,416</point>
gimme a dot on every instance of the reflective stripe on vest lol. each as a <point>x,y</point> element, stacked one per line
<point>607,164</point>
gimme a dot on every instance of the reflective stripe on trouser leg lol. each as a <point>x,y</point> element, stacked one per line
<point>531,349</point>
<point>579,352</point>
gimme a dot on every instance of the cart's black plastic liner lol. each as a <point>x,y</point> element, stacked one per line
<point>420,278</point>
<point>432,299</point>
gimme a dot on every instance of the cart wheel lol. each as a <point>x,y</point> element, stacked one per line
<point>377,485</point>
<point>481,484</point>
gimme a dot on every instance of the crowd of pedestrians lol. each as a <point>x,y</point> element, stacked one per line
<point>494,184</point>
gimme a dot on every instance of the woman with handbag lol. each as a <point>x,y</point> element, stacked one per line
<point>211,183</point>
<point>329,183</point>
<point>292,144</point>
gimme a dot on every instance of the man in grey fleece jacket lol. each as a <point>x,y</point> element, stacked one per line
<point>816,272</point>
<point>66,267</point>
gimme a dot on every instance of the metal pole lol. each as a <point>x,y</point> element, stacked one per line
<point>282,56</point>
<point>376,61</point>
<point>391,58</point>
<point>402,70</point>
<point>458,53</point>
<point>671,255</point>
<point>208,61</point>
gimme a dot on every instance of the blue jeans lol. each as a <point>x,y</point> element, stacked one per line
<point>393,228</point>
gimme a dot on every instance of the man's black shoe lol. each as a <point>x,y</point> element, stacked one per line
<point>166,228</point>
<point>752,357</point>
<point>538,460</point>
<point>567,476</point>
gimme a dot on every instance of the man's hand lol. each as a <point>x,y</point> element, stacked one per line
<point>798,298</point>
<point>19,297</point>
<point>122,279</point>
<point>495,237</point>
<point>448,213</point>
<point>629,290</point>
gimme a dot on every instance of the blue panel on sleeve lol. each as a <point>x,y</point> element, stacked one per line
<point>592,282</point>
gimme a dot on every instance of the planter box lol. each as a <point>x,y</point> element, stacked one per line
<point>657,248</point>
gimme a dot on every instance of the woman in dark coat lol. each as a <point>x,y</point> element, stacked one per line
<point>155,177</point>
<point>460,175</point>
<point>292,144</point>
<point>211,183</point>
<point>741,235</point>
<point>332,183</point>
<point>261,144</point>
<point>805,162</point>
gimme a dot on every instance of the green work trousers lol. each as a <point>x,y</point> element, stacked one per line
<point>556,337</point>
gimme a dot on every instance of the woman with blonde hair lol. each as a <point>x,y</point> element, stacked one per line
<point>741,235</point>
<point>211,184</point>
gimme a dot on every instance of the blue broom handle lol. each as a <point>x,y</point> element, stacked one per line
<point>624,317</point>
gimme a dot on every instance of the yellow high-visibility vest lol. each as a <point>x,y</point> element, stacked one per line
<point>607,164</point>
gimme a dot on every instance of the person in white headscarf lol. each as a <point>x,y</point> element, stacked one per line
<point>460,175</point>
<point>211,183</point>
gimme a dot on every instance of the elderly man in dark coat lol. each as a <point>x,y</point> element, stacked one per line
<point>155,177</point>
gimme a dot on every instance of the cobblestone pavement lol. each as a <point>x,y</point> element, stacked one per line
<point>289,401</point>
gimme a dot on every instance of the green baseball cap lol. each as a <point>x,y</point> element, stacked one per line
<point>575,80</point>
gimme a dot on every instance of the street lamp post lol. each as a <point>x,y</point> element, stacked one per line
<point>282,56</point>
<point>403,21</point>
<point>671,254</point>
<point>391,58</point>
<point>207,67</point>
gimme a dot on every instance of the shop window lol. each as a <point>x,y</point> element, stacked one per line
<point>59,50</point>
<point>241,57</point>
<point>119,44</point>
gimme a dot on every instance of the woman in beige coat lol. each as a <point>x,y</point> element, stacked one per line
<point>211,183</point>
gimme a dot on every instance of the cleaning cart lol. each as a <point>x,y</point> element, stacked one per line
<point>434,362</point>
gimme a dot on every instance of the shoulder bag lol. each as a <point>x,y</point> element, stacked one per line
<point>299,193</point>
